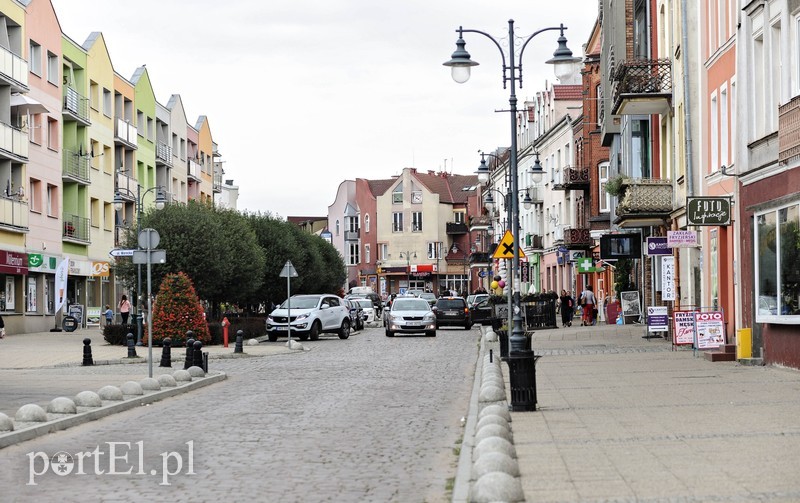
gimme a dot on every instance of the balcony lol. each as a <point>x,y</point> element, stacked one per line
<point>573,179</point>
<point>577,238</point>
<point>480,223</point>
<point>13,144</point>
<point>642,87</point>
<point>13,215</point>
<point>13,71</point>
<point>456,228</point>
<point>128,187</point>
<point>480,259</point>
<point>194,171</point>
<point>76,229</point>
<point>217,182</point>
<point>534,241</point>
<point>125,134</point>
<point>352,235</point>
<point>536,194</point>
<point>76,107</point>
<point>789,131</point>
<point>644,202</point>
<point>76,168</point>
<point>163,154</point>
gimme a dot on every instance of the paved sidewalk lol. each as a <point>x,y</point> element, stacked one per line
<point>623,418</point>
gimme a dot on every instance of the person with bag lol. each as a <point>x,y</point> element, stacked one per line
<point>124,309</point>
<point>567,308</point>
<point>588,301</point>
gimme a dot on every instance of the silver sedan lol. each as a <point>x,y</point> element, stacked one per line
<point>410,315</point>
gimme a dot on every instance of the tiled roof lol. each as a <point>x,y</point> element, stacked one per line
<point>301,220</point>
<point>568,92</point>
<point>448,186</point>
<point>379,187</point>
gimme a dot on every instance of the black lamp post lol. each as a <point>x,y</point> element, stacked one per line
<point>408,266</point>
<point>119,204</point>
<point>460,64</point>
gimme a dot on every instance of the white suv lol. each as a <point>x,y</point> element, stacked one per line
<point>311,315</point>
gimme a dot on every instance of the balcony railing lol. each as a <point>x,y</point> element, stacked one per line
<point>13,143</point>
<point>163,154</point>
<point>125,134</point>
<point>536,194</point>
<point>13,70</point>
<point>480,259</point>
<point>352,235</point>
<point>76,228</point>
<point>456,228</point>
<point>76,167</point>
<point>76,106</point>
<point>789,130</point>
<point>534,241</point>
<point>194,170</point>
<point>13,214</point>
<point>642,87</point>
<point>645,196</point>
<point>127,187</point>
<point>573,179</point>
<point>578,238</point>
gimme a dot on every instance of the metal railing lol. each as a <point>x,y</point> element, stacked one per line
<point>76,228</point>
<point>76,166</point>
<point>76,104</point>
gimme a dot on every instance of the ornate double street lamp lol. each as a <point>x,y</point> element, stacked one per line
<point>408,255</point>
<point>119,204</point>
<point>460,65</point>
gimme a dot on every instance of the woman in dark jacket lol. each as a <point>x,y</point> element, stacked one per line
<point>567,308</point>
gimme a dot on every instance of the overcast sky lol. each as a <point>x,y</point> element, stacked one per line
<point>303,94</point>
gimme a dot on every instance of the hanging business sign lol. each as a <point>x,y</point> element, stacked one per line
<point>657,245</point>
<point>708,210</point>
<point>682,239</point>
<point>668,277</point>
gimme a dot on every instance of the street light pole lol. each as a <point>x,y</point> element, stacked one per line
<point>408,267</point>
<point>460,64</point>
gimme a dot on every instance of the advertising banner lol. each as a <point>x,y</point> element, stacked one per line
<point>710,328</point>
<point>682,239</point>
<point>683,327</point>
<point>60,292</point>
<point>657,319</point>
<point>668,277</point>
<point>658,246</point>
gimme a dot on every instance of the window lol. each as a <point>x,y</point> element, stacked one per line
<point>52,68</point>
<point>397,194</point>
<point>108,107</point>
<point>95,209</point>
<point>367,254</point>
<point>34,195</point>
<point>435,250</point>
<point>52,133</point>
<point>416,221</point>
<point>384,251</point>
<point>140,124</point>
<point>458,217</point>
<point>351,223</point>
<point>366,225</point>
<point>108,216</point>
<point>35,58</point>
<point>777,248</point>
<point>36,130</point>
<point>352,255</point>
<point>605,197</point>
<point>52,200</point>
<point>151,128</point>
<point>714,118</point>
<point>337,227</point>
<point>397,221</point>
<point>724,127</point>
<point>640,148</point>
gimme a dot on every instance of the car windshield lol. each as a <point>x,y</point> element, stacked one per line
<point>364,303</point>
<point>301,303</point>
<point>427,296</point>
<point>414,304</point>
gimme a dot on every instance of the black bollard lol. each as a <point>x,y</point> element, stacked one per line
<point>166,353</point>
<point>131,346</point>
<point>87,352</point>
<point>239,342</point>
<point>189,351</point>
<point>197,359</point>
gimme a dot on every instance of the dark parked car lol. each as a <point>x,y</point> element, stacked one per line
<point>481,312</point>
<point>356,314</point>
<point>452,312</point>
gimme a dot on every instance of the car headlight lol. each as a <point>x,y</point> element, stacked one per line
<point>270,319</point>
<point>430,317</point>
<point>301,317</point>
<point>395,317</point>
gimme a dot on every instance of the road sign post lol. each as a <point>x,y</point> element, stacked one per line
<point>288,272</point>
<point>148,240</point>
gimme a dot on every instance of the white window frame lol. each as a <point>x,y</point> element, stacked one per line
<point>353,249</point>
<point>366,223</point>
<point>777,318</point>
<point>53,66</point>
<point>35,58</point>
<point>397,221</point>
<point>416,221</point>
<point>724,125</point>
<point>367,254</point>
<point>602,178</point>
<point>714,133</point>
<point>434,250</point>
<point>383,251</point>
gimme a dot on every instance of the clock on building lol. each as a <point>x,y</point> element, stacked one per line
<point>416,197</point>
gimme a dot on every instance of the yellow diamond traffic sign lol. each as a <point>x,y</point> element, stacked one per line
<point>505,249</point>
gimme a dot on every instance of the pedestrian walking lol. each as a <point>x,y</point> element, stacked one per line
<point>567,308</point>
<point>2,328</point>
<point>124,309</point>
<point>109,314</point>
<point>588,301</point>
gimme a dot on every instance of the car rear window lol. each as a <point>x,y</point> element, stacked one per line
<point>450,304</point>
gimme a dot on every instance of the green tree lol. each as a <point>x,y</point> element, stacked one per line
<point>178,310</point>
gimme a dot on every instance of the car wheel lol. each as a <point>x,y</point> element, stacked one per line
<point>389,333</point>
<point>344,331</point>
<point>272,337</point>
<point>315,329</point>
<point>432,333</point>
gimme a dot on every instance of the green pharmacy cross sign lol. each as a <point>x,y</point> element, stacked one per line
<point>708,210</point>
<point>585,265</point>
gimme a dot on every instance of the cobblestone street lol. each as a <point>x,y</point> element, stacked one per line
<point>366,419</point>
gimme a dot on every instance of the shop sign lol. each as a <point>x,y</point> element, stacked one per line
<point>39,262</point>
<point>682,239</point>
<point>708,210</point>
<point>657,245</point>
<point>13,262</point>
<point>100,269</point>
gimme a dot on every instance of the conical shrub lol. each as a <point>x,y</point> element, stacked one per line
<point>177,310</point>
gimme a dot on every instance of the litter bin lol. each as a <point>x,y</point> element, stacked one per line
<point>522,377</point>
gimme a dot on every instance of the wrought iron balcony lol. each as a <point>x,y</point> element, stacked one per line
<point>648,200</point>
<point>578,238</point>
<point>456,228</point>
<point>642,87</point>
<point>789,130</point>
<point>573,179</point>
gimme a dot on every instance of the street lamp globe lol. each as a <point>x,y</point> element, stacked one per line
<point>483,172</point>
<point>460,62</point>
<point>161,201</point>
<point>527,201</point>
<point>537,173</point>
<point>118,202</point>
<point>488,202</point>
<point>563,61</point>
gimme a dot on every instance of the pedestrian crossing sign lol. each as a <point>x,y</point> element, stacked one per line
<point>505,249</point>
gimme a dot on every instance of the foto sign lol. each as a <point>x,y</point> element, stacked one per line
<point>708,210</point>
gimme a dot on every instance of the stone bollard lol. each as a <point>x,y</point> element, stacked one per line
<point>87,352</point>
<point>131,346</point>
<point>239,342</point>
<point>166,353</point>
<point>189,350</point>
<point>197,355</point>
